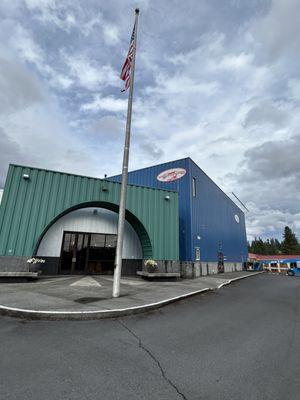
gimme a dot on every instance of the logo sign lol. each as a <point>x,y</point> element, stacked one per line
<point>171,175</point>
<point>237,218</point>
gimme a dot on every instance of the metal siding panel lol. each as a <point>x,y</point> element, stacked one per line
<point>17,214</point>
<point>76,189</point>
<point>53,193</point>
<point>89,193</point>
<point>4,201</point>
<point>213,219</point>
<point>45,189</point>
<point>26,212</point>
<point>62,188</point>
<point>9,234</point>
<point>34,213</point>
<point>82,190</point>
<point>4,209</point>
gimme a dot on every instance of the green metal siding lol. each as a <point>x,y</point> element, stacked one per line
<point>29,206</point>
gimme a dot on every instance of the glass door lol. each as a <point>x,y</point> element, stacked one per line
<point>81,253</point>
<point>102,253</point>
<point>84,253</point>
<point>68,253</point>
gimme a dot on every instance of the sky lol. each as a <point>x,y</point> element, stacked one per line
<point>216,80</point>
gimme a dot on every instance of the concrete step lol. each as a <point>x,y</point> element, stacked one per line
<point>13,274</point>
<point>158,275</point>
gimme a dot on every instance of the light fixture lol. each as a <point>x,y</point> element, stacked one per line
<point>104,189</point>
<point>167,198</point>
<point>25,176</point>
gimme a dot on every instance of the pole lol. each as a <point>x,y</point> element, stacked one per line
<point>121,221</point>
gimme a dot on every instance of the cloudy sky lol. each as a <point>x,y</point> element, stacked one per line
<point>216,80</point>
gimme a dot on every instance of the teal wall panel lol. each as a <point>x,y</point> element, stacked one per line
<point>30,206</point>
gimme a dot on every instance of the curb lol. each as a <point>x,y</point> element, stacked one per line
<point>85,315</point>
<point>90,315</point>
<point>239,278</point>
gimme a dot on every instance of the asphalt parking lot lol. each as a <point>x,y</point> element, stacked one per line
<point>241,342</point>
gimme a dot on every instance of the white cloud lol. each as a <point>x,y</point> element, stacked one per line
<point>267,112</point>
<point>277,32</point>
<point>108,103</point>
<point>108,127</point>
<point>236,62</point>
<point>52,12</point>
<point>269,222</point>
<point>180,84</point>
<point>91,76</point>
<point>111,34</point>
<point>24,45</point>
<point>41,137</point>
<point>88,27</point>
<point>294,89</point>
<point>61,81</point>
<point>19,87</point>
<point>29,52</point>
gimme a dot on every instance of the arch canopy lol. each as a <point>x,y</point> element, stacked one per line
<point>130,217</point>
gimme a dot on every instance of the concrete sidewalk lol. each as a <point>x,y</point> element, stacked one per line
<point>89,297</point>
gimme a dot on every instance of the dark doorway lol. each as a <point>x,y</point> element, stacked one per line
<point>87,253</point>
<point>220,262</point>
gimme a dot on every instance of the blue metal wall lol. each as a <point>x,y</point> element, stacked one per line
<point>213,219</point>
<point>147,177</point>
<point>209,215</point>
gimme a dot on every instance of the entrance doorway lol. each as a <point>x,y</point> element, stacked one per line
<point>220,262</point>
<point>87,253</point>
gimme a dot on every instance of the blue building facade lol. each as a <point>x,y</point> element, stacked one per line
<point>210,223</point>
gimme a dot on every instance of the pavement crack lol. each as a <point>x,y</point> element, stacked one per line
<point>163,373</point>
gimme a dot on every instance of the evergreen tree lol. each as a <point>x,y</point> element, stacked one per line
<point>278,246</point>
<point>290,244</point>
<point>269,247</point>
<point>273,249</point>
<point>249,246</point>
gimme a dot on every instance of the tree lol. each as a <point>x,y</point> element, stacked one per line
<point>278,246</point>
<point>273,246</point>
<point>258,246</point>
<point>290,244</point>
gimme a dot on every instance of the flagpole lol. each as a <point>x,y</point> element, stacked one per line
<point>121,221</point>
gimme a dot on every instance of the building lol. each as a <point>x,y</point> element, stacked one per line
<point>71,222</point>
<point>211,226</point>
<point>175,214</point>
<point>273,262</point>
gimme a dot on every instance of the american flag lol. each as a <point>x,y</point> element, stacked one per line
<point>126,69</point>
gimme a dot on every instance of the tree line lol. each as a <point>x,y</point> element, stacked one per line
<point>289,244</point>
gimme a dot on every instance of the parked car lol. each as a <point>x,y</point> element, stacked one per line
<point>294,270</point>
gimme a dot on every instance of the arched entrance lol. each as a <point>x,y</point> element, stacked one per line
<point>83,240</point>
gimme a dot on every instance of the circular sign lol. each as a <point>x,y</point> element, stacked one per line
<point>237,218</point>
<point>171,175</point>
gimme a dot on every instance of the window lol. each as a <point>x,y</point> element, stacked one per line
<point>111,241</point>
<point>194,187</point>
<point>97,240</point>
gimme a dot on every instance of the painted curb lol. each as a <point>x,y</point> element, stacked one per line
<point>239,278</point>
<point>97,314</point>
<point>84,315</point>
